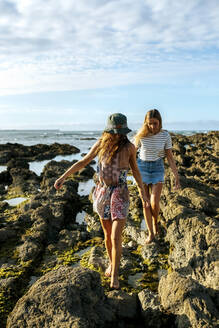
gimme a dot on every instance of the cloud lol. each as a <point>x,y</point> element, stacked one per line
<point>64,45</point>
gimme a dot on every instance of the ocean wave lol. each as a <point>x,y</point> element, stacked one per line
<point>81,139</point>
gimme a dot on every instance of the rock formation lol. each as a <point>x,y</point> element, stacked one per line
<point>51,267</point>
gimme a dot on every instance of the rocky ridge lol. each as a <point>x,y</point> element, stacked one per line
<point>51,267</point>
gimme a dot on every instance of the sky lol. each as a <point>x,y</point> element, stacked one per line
<point>69,64</point>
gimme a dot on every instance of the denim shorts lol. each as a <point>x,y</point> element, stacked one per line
<point>152,172</point>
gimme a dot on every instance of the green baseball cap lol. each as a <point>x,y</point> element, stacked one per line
<point>117,124</point>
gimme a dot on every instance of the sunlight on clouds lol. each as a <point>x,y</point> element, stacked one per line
<point>47,75</point>
<point>64,45</point>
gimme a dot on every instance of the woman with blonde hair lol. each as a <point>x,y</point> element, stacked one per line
<point>155,144</point>
<point>111,196</point>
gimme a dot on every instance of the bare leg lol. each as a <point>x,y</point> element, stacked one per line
<point>107,229</point>
<point>148,217</point>
<point>116,237</point>
<point>155,204</point>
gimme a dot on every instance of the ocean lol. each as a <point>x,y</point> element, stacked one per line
<point>80,139</point>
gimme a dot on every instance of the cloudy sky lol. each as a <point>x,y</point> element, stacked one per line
<point>69,64</point>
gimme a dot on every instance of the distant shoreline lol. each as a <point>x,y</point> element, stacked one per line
<point>81,131</point>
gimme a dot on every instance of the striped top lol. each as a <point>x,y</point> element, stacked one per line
<point>153,147</point>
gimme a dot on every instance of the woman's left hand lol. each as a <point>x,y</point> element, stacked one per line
<point>145,203</point>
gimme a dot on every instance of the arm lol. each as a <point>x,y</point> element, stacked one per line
<point>137,175</point>
<point>172,164</point>
<point>78,165</point>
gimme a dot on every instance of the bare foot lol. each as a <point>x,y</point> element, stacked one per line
<point>114,283</point>
<point>108,271</point>
<point>156,229</point>
<point>149,239</point>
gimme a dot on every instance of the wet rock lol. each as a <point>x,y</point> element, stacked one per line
<point>150,251</point>
<point>2,189</point>
<point>97,258</point>
<point>192,229</point>
<point>51,172</point>
<point>23,181</point>
<point>3,206</point>
<point>135,207</point>
<point>29,250</point>
<point>32,204</point>
<point>8,283</point>
<point>193,250</point>
<point>5,179</point>
<point>151,309</point>
<point>34,239</point>
<point>123,304</point>
<point>65,298</point>
<point>189,300</point>
<point>5,156</point>
<point>18,163</point>
<point>33,153</point>
<point>93,225</point>
<point>6,233</point>
<point>46,222</point>
<point>136,234</point>
<point>68,238</point>
<point>55,169</point>
<point>86,173</point>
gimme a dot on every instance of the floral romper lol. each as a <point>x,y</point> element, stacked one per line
<point>111,201</point>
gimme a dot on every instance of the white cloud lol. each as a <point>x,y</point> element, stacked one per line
<point>64,45</point>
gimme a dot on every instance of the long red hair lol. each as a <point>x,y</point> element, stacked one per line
<point>110,144</point>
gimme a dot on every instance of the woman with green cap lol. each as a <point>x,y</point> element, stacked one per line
<point>111,196</point>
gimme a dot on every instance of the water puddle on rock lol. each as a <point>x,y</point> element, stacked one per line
<point>33,279</point>
<point>80,217</point>
<point>134,282</point>
<point>143,225</point>
<point>189,145</point>
<point>82,252</point>
<point>38,166</point>
<point>3,168</point>
<point>85,187</point>
<point>134,279</point>
<point>130,179</point>
<point>15,201</point>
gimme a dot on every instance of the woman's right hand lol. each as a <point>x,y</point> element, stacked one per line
<point>58,183</point>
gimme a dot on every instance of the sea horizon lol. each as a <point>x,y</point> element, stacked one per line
<point>82,139</point>
<point>97,130</point>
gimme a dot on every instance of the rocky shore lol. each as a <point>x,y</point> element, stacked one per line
<point>52,267</point>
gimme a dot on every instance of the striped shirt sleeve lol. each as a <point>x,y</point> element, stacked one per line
<point>168,143</point>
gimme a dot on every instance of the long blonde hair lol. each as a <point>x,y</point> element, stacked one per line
<point>110,144</point>
<point>144,130</point>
